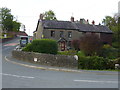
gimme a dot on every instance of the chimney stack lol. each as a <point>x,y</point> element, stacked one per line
<point>87,21</point>
<point>93,22</point>
<point>81,21</point>
<point>41,17</point>
<point>72,19</point>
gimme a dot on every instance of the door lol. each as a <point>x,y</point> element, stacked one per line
<point>62,46</point>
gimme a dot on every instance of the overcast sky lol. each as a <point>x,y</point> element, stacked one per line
<point>28,11</point>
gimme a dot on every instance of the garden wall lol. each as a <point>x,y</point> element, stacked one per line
<point>47,59</point>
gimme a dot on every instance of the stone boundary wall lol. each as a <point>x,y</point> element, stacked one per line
<point>47,59</point>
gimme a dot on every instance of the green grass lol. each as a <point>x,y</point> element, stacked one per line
<point>70,52</point>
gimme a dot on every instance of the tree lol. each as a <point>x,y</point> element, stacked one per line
<point>76,44</point>
<point>109,21</point>
<point>6,20</point>
<point>90,44</point>
<point>16,26</point>
<point>49,15</point>
<point>119,36</point>
<point>112,24</point>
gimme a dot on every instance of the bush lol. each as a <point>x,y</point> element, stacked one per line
<point>90,44</point>
<point>108,51</point>
<point>80,53</point>
<point>42,46</point>
<point>93,62</point>
<point>76,44</point>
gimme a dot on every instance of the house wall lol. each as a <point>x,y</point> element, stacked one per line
<point>106,38</point>
<point>39,31</point>
<point>75,34</point>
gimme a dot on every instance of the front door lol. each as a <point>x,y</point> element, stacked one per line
<point>62,46</point>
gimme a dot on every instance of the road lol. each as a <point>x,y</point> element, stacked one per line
<point>16,76</point>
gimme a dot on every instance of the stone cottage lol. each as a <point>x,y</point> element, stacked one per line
<point>66,31</point>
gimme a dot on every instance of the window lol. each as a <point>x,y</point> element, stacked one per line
<point>69,34</point>
<point>52,33</point>
<point>69,45</point>
<point>61,33</point>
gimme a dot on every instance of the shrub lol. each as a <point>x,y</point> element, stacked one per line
<point>108,51</point>
<point>81,53</point>
<point>42,46</point>
<point>93,62</point>
<point>90,44</point>
<point>76,44</point>
<point>28,48</point>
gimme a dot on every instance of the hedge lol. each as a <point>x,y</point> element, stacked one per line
<point>42,46</point>
<point>93,62</point>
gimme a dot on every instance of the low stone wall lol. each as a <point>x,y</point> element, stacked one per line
<point>47,59</point>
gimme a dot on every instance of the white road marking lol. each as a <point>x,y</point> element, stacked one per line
<point>16,76</point>
<point>95,81</point>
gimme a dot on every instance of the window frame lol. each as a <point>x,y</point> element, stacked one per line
<point>69,34</point>
<point>52,34</point>
<point>61,33</point>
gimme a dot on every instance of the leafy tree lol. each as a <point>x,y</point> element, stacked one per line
<point>109,21</point>
<point>16,26</point>
<point>49,15</point>
<point>90,44</point>
<point>6,20</point>
<point>112,23</point>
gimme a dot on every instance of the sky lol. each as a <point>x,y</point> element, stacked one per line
<point>27,11</point>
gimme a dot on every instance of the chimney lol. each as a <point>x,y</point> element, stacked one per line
<point>99,24</point>
<point>72,19</point>
<point>87,21</point>
<point>41,17</point>
<point>81,21</point>
<point>93,22</point>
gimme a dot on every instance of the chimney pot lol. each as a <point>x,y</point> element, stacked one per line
<point>93,22</point>
<point>81,21</point>
<point>87,21</point>
<point>41,17</point>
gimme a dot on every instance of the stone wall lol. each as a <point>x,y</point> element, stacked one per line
<point>47,59</point>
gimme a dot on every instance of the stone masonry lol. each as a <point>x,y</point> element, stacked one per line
<point>47,59</point>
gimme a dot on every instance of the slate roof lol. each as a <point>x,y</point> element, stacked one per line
<point>53,24</point>
<point>67,25</point>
